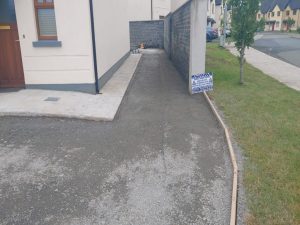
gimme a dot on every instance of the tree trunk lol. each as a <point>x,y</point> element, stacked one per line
<point>242,60</point>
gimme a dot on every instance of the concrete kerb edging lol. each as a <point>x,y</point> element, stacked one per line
<point>233,161</point>
<point>55,116</point>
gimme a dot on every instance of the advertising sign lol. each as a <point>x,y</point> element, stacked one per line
<point>202,83</point>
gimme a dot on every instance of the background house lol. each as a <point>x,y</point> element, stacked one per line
<point>219,11</point>
<point>211,10</point>
<point>63,46</point>
<point>292,11</point>
<point>277,12</point>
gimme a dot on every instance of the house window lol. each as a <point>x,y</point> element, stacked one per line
<point>45,19</point>
<point>287,12</point>
<point>258,16</point>
<point>294,12</point>
<point>161,17</point>
<point>278,13</point>
<point>273,14</point>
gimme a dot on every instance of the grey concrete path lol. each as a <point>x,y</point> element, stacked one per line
<point>68,104</point>
<point>278,69</point>
<point>162,161</point>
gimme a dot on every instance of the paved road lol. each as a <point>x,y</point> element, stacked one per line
<point>281,46</point>
<point>162,161</point>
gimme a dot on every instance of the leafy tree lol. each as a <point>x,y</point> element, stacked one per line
<point>290,22</point>
<point>244,26</point>
<point>261,24</point>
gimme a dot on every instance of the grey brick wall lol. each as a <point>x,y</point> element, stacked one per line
<point>151,33</point>
<point>180,39</point>
<point>167,34</point>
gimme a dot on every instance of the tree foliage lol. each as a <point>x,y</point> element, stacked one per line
<point>290,22</point>
<point>261,24</point>
<point>244,26</point>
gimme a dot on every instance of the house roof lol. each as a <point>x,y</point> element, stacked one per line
<point>294,4</point>
<point>282,4</point>
<point>266,5</point>
<point>269,5</point>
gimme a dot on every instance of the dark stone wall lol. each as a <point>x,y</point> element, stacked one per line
<point>151,33</point>
<point>180,39</point>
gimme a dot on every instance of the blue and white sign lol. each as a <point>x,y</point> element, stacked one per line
<point>202,82</point>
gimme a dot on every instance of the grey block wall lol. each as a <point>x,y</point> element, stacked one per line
<point>180,39</point>
<point>151,33</point>
<point>167,34</point>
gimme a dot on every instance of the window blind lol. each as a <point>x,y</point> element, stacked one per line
<point>47,24</point>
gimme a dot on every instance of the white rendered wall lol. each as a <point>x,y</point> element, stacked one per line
<point>70,64</point>
<point>175,4</point>
<point>161,8</point>
<point>140,10</point>
<point>111,31</point>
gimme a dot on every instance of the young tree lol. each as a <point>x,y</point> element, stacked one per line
<point>244,26</point>
<point>261,24</point>
<point>290,22</point>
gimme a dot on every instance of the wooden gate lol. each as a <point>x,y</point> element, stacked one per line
<point>11,67</point>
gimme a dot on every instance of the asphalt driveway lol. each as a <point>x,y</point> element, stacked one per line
<point>163,160</point>
<point>279,45</point>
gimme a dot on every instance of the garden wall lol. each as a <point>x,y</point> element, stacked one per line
<point>150,33</point>
<point>177,34</point>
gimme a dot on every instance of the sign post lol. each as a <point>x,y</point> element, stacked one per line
<point>202,83</point>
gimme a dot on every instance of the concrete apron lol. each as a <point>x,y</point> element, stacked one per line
<point>76,105</point>
<point>163,160</point>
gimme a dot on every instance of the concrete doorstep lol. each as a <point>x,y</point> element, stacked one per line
<point>66,104</point>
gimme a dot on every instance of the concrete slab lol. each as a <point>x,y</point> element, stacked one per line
<point>284,72</point>
<point>72,104</point>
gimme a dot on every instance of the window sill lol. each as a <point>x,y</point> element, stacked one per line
<point>46,43</point>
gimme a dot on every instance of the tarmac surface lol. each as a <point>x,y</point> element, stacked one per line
<point>163,160</point>
<point>281,46</point>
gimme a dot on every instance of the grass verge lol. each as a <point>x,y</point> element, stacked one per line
<point>264,116</point>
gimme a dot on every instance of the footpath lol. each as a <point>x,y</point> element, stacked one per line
<point>284,72</point>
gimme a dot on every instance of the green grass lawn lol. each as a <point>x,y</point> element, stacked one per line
<point>264,117</point>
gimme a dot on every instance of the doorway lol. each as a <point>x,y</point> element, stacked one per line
<point>273,26</point>
<point>11,66</point>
